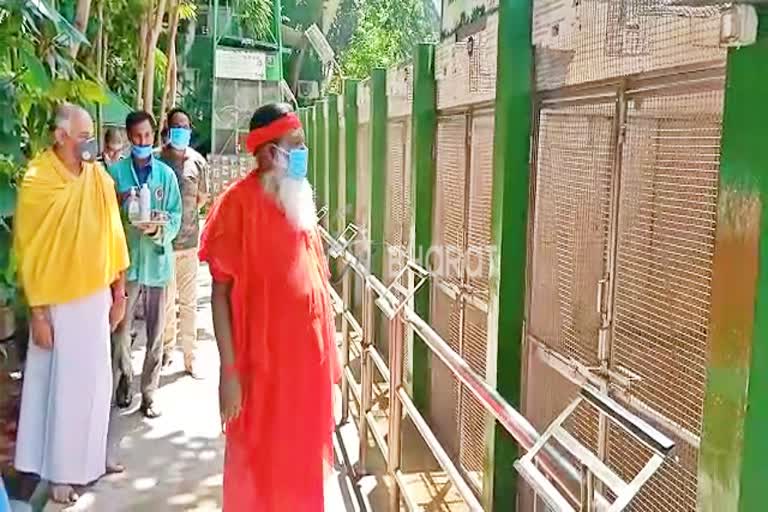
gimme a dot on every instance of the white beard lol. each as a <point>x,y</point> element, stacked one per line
<point>296,197</point>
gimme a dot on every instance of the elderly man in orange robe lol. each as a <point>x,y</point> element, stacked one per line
<point>274,327</point>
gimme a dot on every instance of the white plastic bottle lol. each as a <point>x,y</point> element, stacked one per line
<point>145,212</point>
<point>134,211</point>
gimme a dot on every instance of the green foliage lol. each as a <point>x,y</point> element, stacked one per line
<point>36,74</point>
<point>122,27</point>
<point>386,34</point>
<point>256,19</point>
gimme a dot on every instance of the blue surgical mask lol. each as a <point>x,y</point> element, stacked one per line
<point>141,152</point>
<point>179,138</point>
<point>298,159</point>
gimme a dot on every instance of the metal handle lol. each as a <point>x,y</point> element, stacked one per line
<point>601,284</point>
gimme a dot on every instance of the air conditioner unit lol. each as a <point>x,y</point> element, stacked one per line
<point>309,89</point>
<point>738,26</point>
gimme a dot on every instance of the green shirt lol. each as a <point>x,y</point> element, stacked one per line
<point>152,258</point>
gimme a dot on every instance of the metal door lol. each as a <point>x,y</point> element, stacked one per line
<point>622,239</point>
<point>461,262</point>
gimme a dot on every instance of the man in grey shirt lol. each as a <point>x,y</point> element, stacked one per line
<point>191,171</point>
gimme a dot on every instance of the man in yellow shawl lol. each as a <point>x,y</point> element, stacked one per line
<point>72,253</point>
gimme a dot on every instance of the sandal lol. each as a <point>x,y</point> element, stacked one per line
<point>114,468</point>
<point>123,394</point>
<point>149,410</point>
<point>63,494</point>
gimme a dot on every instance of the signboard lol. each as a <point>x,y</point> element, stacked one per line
<point>319,44</point>
<point>236,64</point>
<point>459,12</point>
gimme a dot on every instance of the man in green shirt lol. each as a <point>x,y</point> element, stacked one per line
<point>151,252</point>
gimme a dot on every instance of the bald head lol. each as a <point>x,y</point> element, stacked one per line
<point>73,127</point>
<point>72,118</point>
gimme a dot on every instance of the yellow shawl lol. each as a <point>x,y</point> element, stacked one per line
<point>68,235</point>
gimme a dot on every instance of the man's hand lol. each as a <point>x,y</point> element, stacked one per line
<point>230,397</point>
<point>149,230</point>
<point>41,328</point>
<point>116,312</point>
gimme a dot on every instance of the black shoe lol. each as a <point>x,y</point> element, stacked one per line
<point>123,393</point>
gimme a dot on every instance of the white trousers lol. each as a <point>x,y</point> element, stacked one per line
<point>65,401</point>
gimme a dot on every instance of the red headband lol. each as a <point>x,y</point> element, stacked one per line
<point>273,131</point>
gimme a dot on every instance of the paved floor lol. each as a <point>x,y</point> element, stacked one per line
<point>174,463</point>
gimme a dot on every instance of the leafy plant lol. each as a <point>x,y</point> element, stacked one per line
<point>36,74</point>
<point>386,34</point>
<point>256,18</point>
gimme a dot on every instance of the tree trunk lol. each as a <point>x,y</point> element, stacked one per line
<point>297,63</point>
<point>142,60</point>
<point>105,44</point>
<point>175,83</point>
<point>149,68</point>
<point>82,13</point>
<point>169,90</point>
<point>99,68</point>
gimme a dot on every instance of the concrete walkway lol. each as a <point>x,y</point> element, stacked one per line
<point>174,463</point>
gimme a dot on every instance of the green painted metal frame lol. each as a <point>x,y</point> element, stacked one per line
<point>379,113</point>
<point>734,448</point>
<point>509,227</point>
<point>335,217</point>
<point>351,121</point>
<point>423,175</point>
<point>321,156</point>
<point>309,132</point>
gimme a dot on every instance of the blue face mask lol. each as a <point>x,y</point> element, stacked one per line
<point>141,152</point>
<point>298,159</point>
<point>179,138</point>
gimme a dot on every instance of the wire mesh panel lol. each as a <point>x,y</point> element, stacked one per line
<point>474,421</point>
<point>674,486</point>
<point>447,240</point>
<point>465,70</point>
<point>362,208</point>
<point>400,91</point>
<point>444,401</point>
<point>450,199</point>
<point>546,394</point>
<point>478,250</point>
<point>397,200</point>
<point>621,37</point>
<point>571,223</point>
<point>666,236</point>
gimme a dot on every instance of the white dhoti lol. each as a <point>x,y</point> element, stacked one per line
<point>65,401</point>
